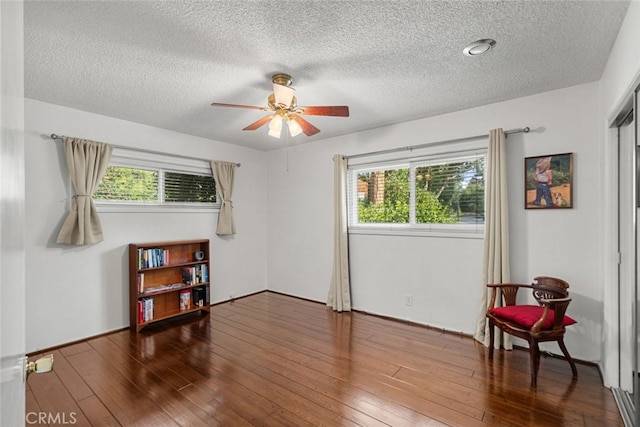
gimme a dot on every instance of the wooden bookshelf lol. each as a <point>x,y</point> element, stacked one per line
<point>166,279</point>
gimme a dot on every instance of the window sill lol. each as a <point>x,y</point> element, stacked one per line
<point>153,208</point>
<point>476,233</point>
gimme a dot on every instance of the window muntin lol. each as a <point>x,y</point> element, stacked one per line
<point>443,192</point>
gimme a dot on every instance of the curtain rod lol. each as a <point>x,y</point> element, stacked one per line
<point>431,144</point>
<point>54,137</point>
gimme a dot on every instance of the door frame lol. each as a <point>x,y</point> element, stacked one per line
<point>623,222</point>
<point>12,214</point>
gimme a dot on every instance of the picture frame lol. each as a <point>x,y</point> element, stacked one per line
<point>548,181</point>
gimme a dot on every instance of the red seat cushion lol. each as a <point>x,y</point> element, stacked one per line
<point>527,315</point>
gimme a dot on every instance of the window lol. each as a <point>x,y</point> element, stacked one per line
<point>383,195</point>
<point>137,178</point>
<point>428,193</point>
<point>189,188</point>
<point>127,184</point>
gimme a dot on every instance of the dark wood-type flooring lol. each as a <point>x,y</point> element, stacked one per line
<point>274,360</point>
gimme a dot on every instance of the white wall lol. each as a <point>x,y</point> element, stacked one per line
<point>443,274</point>
<point>77,292</point>
<point>620,77</point>
<point>623,65</point>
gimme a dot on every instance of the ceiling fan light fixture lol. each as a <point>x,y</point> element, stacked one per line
<point>283,95</point>
<point>294,127</point>
<point>479,47</point>
<point>275,126</point>
<point>274,133</point>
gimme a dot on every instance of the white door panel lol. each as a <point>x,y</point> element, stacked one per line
<point>12,216</point>
<point>628,255</point>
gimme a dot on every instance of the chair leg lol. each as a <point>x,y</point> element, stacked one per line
<point>491,337</point>
<point>534,355</point>
<point>568,357</point>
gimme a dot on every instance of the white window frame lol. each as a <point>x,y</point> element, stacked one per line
<point>414,160</point>
<point>160,162</point>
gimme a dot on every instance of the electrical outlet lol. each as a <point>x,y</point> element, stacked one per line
<point>408,300</point>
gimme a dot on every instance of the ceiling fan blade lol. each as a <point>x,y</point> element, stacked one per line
<point>283,94</point>
<point>258,123</point>
<point>334,110</point>
<point>307,127</point>
<point>250,107</point>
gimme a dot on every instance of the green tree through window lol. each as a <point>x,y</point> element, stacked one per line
<point>387,199</point>
<point>127,184</point>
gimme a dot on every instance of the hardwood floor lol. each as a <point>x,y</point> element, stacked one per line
<point>273,360</point>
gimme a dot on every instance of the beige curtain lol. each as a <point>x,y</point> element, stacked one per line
<point>496,234</point>
<point>223,173</point>
<point>87,162</point>
<point>339,291</point>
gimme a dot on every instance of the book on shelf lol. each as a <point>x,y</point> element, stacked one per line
<point>160,288</point>
<point>195,274</point>
<point>198,296</point>
<point>187,277</point>
<point>140,282</point>
<point>185,299</point>
<point>145,310</point>
<point>152,257</point>
<point>149,311</point>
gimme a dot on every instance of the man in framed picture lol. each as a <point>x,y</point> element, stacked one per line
<point>543,178</point>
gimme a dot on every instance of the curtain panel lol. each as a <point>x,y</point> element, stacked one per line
<point>224,173</point>
<point>87,162</point>
<point>496,235</point>
<point>339,291</point>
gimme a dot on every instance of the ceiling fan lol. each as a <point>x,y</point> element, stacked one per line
<point>282,104</point>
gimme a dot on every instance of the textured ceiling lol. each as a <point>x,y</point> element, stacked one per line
<point>163,63</point>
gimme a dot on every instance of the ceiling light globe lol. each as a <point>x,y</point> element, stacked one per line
<point>274,133</point>
<point>294,128</point>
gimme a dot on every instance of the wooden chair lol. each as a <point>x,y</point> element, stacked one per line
<point>534,323</point>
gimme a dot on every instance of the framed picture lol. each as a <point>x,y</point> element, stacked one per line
<point>548,181</point>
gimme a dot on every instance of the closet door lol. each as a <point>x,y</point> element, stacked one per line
<point>635,337</point>
<point>628,252</point>
<point>628,394</point>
